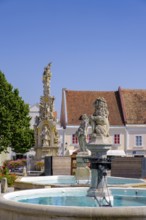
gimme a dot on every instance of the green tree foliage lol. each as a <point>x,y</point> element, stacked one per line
<point>15,129</point>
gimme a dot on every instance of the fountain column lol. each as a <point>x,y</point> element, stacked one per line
<point>99,145</point>
<point>98,165</point>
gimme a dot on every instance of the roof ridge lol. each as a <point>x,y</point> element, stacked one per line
<point>90,90</point>
<point>125,89</point>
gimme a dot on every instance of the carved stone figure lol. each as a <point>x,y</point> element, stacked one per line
<point>81,133</point>
<point>45,136</point>
<point>56,136</point>
<point>99,120</point>
<point>42,109</point>
<point>52,107</point>
<point>46,79</point>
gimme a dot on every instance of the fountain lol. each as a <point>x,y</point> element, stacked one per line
<point>95,202</point>
<point>95,151</point>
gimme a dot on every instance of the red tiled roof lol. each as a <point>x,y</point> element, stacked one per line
<point>81,102</point>
<point>134,104</point>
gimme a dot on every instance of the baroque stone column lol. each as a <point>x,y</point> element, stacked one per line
<point>46,135</point>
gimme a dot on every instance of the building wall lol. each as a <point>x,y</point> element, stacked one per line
<point>34,111</point>
<point>118,130</point>
<point>70,130</point>
<point>133,131</point>
<point>127,138</point>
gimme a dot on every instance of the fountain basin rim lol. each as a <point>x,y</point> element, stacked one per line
<point>103,146</point>
<point>10,209</point>
<point>40,210</point>
<point>25,183</point>
<point>35,193</point>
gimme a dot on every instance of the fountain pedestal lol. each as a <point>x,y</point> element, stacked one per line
<point>98,165</point>
<point>83,172</point>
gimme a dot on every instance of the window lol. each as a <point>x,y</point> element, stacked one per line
<point>138,140</point>
<point>116,139</point>
<point>74,139</point>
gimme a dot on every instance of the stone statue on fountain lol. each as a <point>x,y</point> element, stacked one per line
<point>82,131</point>
<point>82,171</point>
<point>98,146</point>
<point>99,122</point>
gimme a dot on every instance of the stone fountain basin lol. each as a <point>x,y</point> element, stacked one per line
<point>48,182</point>
<point>70,181</point>
<point>11,209</point>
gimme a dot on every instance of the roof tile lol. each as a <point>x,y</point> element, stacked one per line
<point>81,102</point>
<point>134,102</point>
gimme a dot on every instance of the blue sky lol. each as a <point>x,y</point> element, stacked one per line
<point>92,44</point>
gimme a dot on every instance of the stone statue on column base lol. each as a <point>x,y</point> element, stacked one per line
<point>100,123</point>
<point>82,170</point>
<point>81,133</point>
<point>46,137</point>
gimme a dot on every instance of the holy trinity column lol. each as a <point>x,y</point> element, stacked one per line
<point>46,135</point>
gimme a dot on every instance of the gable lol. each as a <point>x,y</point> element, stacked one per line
<point>34,108</point>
